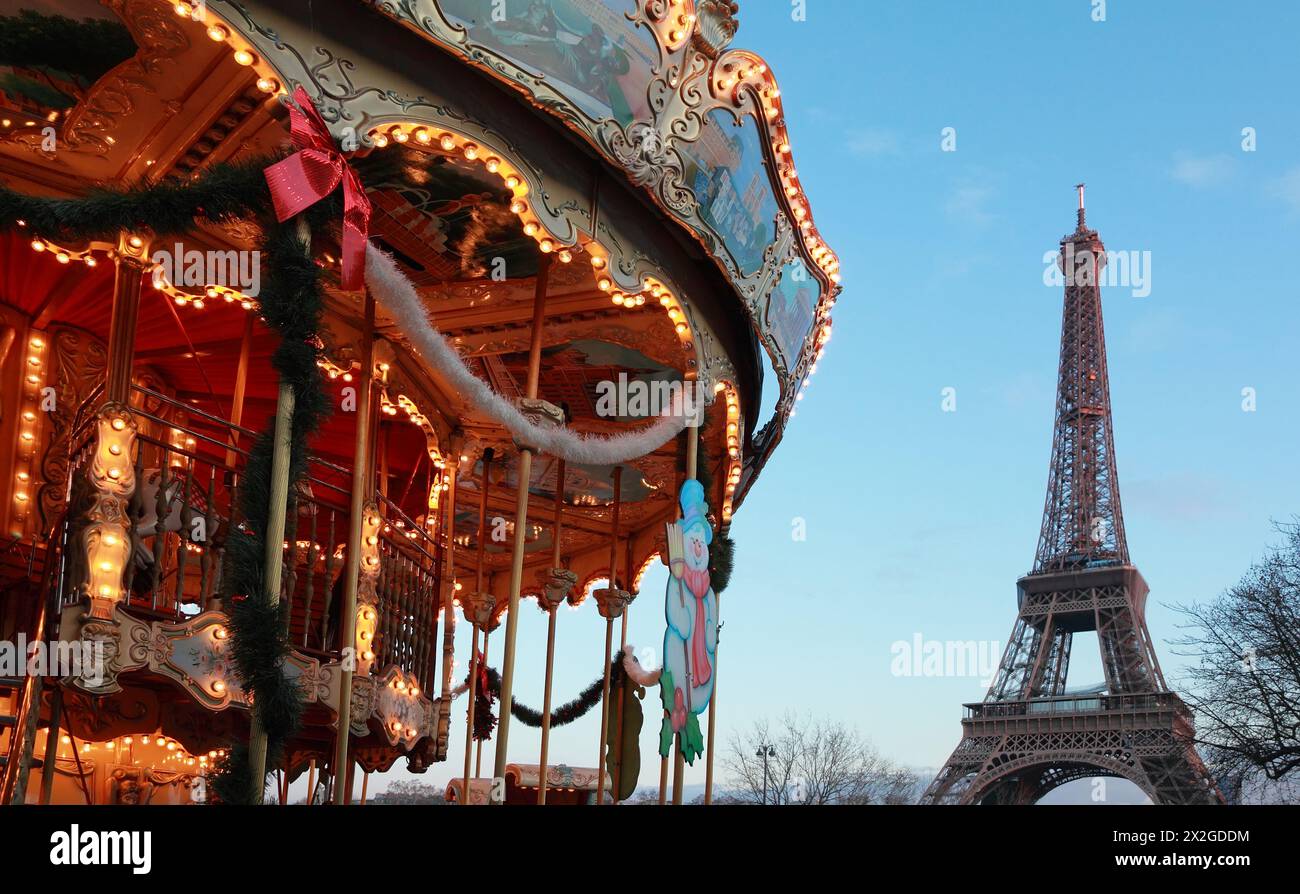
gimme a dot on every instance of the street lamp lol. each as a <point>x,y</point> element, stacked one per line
<point>765,751</point>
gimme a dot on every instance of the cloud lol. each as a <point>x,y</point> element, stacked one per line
<point>1201,171</point>
<point>1287,188</point>
<point>874,142</point>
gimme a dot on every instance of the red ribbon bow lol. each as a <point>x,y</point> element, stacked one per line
<point>311,174</point>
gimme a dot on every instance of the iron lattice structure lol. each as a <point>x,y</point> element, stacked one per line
<point>1030,734</point>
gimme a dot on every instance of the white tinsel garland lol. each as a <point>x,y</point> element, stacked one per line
<point>395,292</point>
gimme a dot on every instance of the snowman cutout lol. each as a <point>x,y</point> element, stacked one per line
<point>691,639</point>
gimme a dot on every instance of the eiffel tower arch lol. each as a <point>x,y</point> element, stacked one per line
<point>1031,734</point>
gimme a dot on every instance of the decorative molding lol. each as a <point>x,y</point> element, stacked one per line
<point>403,713</point>
<point>611,601</point>
<point>557,584</point>
<point>105,539</point>
<point>478,608</point>
<point>80,364</point>
<point>91,125</point>
<point>194,654</point>
<point>697,74</point>
<point>346,89</point>
<point>367,619</point>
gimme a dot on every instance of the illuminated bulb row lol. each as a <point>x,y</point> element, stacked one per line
<point>730,77</point>
<point>198,302</point>
<point>821,255</point>
<point>117,448</point>
<point>442,484</point>
<point>420,135</point>
<point>413,412</point>
<point>733,449</point>
<point>29,421</point>
<point>655,292</point>
<point>645,566</point>
<point>242,54</point>
<point>734,74</point>
<point>334,371</point>
<point>60,254</point>
<point>449,142</point>
<point>680,25</point>
<point>676,313</point>
<point>174,751</point>
<point>401,686</point>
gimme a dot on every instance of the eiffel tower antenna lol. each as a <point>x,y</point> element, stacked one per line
<point>1031,734</point>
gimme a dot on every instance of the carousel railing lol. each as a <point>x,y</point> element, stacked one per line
<point>410,569</point>
<point>189,472</point>
<point>17,758</point>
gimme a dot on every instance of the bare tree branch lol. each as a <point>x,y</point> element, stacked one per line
<point>813,762</point>
<point>1245,685</point>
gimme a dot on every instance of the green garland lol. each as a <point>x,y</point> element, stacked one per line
<point>87,49</point>
<point>565,713</point>
<point>291,303</point>
<point>722,550</point>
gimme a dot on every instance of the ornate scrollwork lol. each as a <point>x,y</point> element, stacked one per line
<point>541,413</point>
<point>367,618</point>
<point>478,608</point>
<point>405,715</point>
<point>715,25</point>
<point>106,536</point>
<point>557,584</point>
<point>611,601</point>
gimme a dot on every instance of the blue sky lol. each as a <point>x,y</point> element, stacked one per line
<point>920,521</point>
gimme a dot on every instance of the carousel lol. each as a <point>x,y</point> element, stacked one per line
<point>324,332</point>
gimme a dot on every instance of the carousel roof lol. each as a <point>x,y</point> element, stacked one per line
<point>138,94</point>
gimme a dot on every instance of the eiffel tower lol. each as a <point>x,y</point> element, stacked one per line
<point>1031,734</point>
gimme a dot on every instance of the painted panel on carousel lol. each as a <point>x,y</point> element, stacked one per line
<point>792,310</point>
<point>726,170</point>
<point>691,640</point>
<point>587,49</point>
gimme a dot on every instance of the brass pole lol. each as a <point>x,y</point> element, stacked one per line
<point>448,605</point>
<point>275,519</point>
<point>609,638</point>
<point>241,387</point>
<point>618,717</point>
<point>478,746</point>
<point>362,478</point>
<point>521,526</point>
<point>129,264</point>
<point>381,441</point>
<point>556,530</point>
<point>311,782</point>
<point>478,588</point>
<point>713,717</point>
<point>281,443</point>
<point>679,762</point>
<point>51,746</point>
